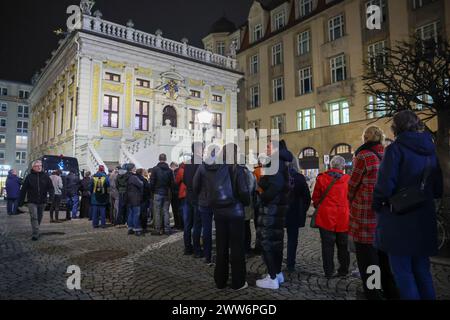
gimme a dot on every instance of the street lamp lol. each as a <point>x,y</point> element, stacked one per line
<point>205,118</point>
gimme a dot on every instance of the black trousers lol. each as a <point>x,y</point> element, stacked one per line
<point>271,232</point>
<point>85,207</point>
<point>248,236</point>
<point>54,208</point>
<point>175,202</point>
<point>329,241</point>
<point>230,250</point>
<point>367,255</point>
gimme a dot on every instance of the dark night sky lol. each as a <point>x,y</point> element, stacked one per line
<point>26,26</point>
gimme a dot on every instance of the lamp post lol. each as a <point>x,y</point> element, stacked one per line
<point>205,118</point>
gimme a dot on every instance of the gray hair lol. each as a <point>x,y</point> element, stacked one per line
<point>337,162</point>
<point>36,162</point>
<point>87,174</point>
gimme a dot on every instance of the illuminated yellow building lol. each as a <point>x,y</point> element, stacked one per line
<point>112,94</point>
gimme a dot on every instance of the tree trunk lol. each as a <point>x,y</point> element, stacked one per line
<point>443,150</point>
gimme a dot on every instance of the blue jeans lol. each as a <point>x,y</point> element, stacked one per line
<point>192,228</point>
<point>95,211</point>
<point>206,215</point>
<point>72,205</point>
<point>161,214</point>
<point>413,277</point>
<point>12,205</point>
<point>292,244</point>
<point>134,219</point>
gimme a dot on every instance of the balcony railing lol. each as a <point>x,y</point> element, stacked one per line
<point>128,33</point>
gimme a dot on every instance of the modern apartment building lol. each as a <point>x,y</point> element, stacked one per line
<point>303,65</point>
<point>14,127</point>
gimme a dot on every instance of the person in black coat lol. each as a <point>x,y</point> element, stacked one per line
<point>409,238</point>
<point>135,193</point>
<point>85,207</point>
<point>72,188</point>
<point>161,184</point>
<point>145,199</point>
<point>36,187</point>
<point>274,200</point>
<point>299,203</point>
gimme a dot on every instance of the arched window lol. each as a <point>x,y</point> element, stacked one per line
<point>309,162</point>
<point>170,113</point>
<point>308,153</point>
<point>340,149</point>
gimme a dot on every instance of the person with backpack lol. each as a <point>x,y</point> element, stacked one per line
<point>227,194</point>
<point>135,192</point>
<point>274,200</point>
<point>204,209</point>
<point>99,197</point>
<point>121,185</point>
<point>330,198</point>
<point>161,184</point>
<point>409,180</point>
<point>299,203</point>
<point>56,201</point>
<point>191,216</point>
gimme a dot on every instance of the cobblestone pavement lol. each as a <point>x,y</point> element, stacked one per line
<point>117,266</point>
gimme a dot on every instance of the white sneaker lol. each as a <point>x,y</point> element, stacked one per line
<point>244,287</point>
<point>268,283</point>
<point>280,278</point>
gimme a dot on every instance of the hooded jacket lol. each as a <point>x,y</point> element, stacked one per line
<point>414,233</point>
<point>36,187</point>
<point>13,183</point>
<point>135,191</point>
<point>273,187</point>
<point>72,185</point>
<point>162,179</point>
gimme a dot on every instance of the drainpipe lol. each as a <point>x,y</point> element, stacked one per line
<point>76,98</point>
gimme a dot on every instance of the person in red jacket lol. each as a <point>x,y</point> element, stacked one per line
<point>333,216</point>
<point>181,192</point>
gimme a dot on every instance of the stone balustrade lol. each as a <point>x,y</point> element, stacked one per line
<point>114,30</point>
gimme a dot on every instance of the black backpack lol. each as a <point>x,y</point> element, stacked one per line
<point>221,192</point>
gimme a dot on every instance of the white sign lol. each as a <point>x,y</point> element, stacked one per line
<point>326,159</point>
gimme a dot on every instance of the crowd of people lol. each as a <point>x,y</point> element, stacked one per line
<point>359,213</point>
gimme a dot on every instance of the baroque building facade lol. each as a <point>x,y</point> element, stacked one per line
<point>303,66</point>
<point>112,94</point>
